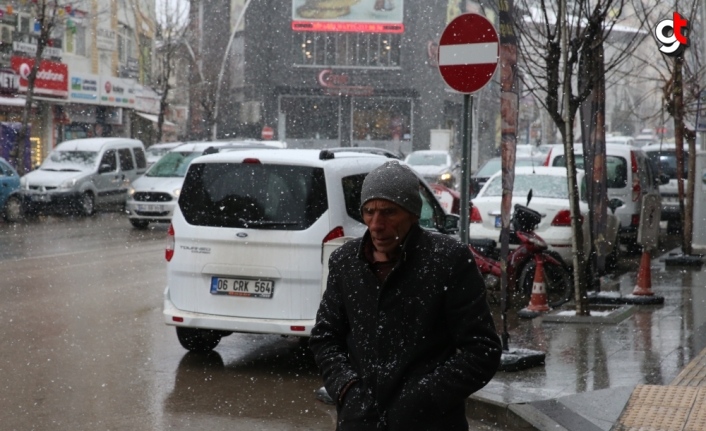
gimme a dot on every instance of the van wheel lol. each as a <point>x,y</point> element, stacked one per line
<point>13,210</point>
<point>139,224</point>
<point>198,340</point>
<point>87,204</point>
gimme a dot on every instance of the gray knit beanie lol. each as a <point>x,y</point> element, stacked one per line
<point>393,182</point>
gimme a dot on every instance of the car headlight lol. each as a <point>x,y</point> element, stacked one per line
<point>68,184</point>
<point>177,192</point>
<point>131,191</point>
<point>446,176</point>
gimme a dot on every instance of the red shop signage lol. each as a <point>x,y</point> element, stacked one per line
<point>52,77</point>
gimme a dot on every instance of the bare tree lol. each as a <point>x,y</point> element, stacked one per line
<point>170,35</point>
<point>46,15</point>
<point>556,43</point>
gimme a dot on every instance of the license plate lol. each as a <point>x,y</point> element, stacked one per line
<point>41,198</point>
<point>498,221</point>
<point>149,208</point>
<point>242,287</point>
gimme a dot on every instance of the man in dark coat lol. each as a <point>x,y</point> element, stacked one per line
<point>404,333</point>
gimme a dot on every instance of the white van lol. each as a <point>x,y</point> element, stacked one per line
<point>664,161</point>
<point>630,178</point>
<point>83,175</point>
<point>248,235</point>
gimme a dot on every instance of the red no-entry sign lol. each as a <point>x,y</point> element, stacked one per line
<point>268,133</point>
<point>468,52</point>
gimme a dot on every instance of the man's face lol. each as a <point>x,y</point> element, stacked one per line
<point>388,224</point>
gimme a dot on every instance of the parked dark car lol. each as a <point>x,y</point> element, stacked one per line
<point>10,203</point>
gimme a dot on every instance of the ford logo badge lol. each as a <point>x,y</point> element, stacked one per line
<point>241,235</point>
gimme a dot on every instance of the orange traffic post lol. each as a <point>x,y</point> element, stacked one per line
<point>644,277</point>
<point>538,300</point>
<point>642,294</point>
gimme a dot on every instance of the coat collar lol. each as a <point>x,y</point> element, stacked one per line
<point>409,243</point>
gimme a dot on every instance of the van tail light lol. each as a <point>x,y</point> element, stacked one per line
<point>549,156</point>
<point>169,251</point>
<point>475,215</point>
<point>563,218</point>
<point>635,220</point>
<point>252,161</point>
<point>336,232</point>
<point>636,188</point>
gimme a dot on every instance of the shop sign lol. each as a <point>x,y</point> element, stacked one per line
<point>9,81</point>
<point>146,100</point>
<point>30,50</point>
<point>338,84</point>
<point>52,77</point>
<point>84,88</point>
<point>117,92</point>
<point>379,16</point>
<point>106,40</point>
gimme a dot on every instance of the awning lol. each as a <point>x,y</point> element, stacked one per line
<point>12,101</point>
<point>154,119</point>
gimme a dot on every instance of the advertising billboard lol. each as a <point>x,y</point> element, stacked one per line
<point>360,16</point>
<point>52,77</point>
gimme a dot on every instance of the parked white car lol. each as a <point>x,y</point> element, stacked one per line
<point>550,197</point>
<point>248,235</point>
<point>153,196</point>
<point>435,166</point>
<point>630,177</point>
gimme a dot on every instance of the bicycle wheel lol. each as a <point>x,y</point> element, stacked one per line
<point>557,281</point>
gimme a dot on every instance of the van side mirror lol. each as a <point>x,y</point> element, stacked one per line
<point>105,168</point>
<point>451,222</point>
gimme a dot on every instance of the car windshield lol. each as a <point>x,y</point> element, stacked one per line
<point>616,169</point>
<point>427,159</point>
<point>173,164</point>
<point>542,186</point>
<point>70,161</point>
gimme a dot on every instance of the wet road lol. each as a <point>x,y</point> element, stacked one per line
<point>84,346</point>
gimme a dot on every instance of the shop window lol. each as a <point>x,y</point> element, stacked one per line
<point>367,50</point>
<point>378,119</point>
<point>310,117</point>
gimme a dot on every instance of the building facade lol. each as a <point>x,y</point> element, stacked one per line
<point>364,75</point>
<point>93,76</point>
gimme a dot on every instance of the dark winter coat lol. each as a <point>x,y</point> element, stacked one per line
<point>419,343</point>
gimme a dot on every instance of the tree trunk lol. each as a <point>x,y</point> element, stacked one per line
<point>688,227</point>
<point>594,157</point>
<point>678,115</point>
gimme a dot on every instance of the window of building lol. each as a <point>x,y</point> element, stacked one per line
<point>381,119</point>
<point>364,50</point>
<point>125,44</point>
<point>310,117</point>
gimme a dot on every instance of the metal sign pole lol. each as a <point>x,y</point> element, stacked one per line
<point>467,131</point>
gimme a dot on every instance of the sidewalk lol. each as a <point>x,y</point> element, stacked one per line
<point>592,370</point>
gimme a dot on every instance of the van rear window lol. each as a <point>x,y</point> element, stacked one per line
<point>616,169</point>
<point>256,196</point>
